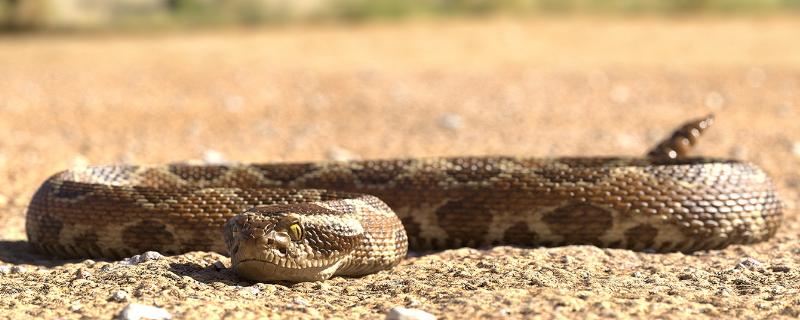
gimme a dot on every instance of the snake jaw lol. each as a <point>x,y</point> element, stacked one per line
<point>259,270</point>
<point>262,248</point>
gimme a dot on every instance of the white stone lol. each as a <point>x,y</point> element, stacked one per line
<point>249,291</point>
<point>451,121</point>
<point>777,289</point>
<point>119,296</point>
<point>748,263</point>
<point>340,154</point>
<point>400,313</point>
<point>135,311</point>
<point>213,157</point>
<point>627,140</point>
<point>796,148</point>
<point>82,274</point>
<point>714,100</point>
<point>80,161</point>
<point>411,302</point>
<point>18,269</point>
<point>139,258</point>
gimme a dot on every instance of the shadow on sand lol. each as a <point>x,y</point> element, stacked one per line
<point>20,252</point>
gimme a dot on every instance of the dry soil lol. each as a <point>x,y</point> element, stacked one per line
<point>546,88</point>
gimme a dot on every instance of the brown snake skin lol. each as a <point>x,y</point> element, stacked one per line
<point>665,202</point>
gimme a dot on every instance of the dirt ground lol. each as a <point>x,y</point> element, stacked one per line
<point>544,88</point>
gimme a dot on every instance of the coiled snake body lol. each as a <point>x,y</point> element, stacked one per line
<point>309,221</point>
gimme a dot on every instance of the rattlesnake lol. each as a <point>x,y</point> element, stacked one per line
<point>309,221</point>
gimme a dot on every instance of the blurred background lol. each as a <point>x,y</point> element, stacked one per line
<point>154,81</point>
<point>95,14</point>
<point>87,82</point>
<point>147,14</point>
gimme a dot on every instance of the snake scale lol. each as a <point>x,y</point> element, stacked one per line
<point>310,221</point>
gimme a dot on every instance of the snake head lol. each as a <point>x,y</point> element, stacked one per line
<point>297,242</point>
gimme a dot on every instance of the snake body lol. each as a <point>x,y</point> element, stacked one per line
<point>309,221</point>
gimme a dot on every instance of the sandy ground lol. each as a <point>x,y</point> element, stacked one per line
<point>546,88</point>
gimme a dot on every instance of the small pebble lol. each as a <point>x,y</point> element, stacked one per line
<point>75,307</point>
<point>777,290</point>
<point>139,258</point>
<point>748,263</point>
<point>451,121</point>
<point>714,100</point>
<point>80,161</point>
<point>119,296</point>
<point>627,140</point>
<point>340,154</point>
<point>82,274</point>
<point>400,313</point>
<point>796,148</point>
<point>249,290</point>
<point>411,302</point>
<point>18,269</point>
<point>5,269</point>
<point>213,157</point>
<point>320,286</point>
<point>135,311</point>
<point>620,94</point>
<point>687,276</point>
<point>218,265</point>
<point>300,301</point>
<point>172,276</point>
<point>780,268</point>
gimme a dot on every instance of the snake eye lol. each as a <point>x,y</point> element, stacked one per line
<point>295,231</point>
